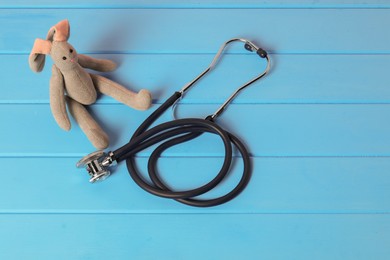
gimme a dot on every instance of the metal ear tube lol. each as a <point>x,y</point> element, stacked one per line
<point>175,132</point>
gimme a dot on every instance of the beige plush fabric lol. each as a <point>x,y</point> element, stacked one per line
<point>73,87</point>
<point>96,64</point>
<point>92,130</point>
<point>141,100</point>
<point>57,99</point>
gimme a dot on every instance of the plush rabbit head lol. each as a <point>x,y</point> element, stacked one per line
<point>63,54</point>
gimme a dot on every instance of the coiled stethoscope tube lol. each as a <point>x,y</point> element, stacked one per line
<point>176,132</point>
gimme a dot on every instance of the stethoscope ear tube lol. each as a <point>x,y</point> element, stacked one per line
<point>173,133</point>
<point>126,150</point>
<point>169,134</point>
<point>154,174</point>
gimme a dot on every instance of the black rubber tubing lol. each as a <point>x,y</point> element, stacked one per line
<point>173,133</point>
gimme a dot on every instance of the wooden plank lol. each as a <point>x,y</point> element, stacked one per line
<point>190,236</point>
<point>317,129</point>
<point>278,185</point>
<point>268,130</point>
<point>195,4</point>
<point>200,30</point>
<point>293,79</point>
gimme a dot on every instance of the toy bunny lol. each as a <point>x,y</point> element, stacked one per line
<point>71,85</point>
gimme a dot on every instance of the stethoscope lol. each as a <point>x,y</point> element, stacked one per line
<point>176,132</point>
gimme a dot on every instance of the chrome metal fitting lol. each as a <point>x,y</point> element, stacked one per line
<point>97,165</point>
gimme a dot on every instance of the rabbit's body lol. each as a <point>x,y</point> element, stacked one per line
<point>79,85</point>
<point>73,87</point>
<point>77,82</point>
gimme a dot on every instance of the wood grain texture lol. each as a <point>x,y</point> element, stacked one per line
<point>268,130</point>
<point>317,129</point>
<point>195,4</point>
<point>195,236</point>
<point>277,186</point>
<point>202,30</point>
<point>294,79</point>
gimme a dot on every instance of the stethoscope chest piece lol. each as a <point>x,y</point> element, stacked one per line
<point>96,164</point>
<point>168,134</point>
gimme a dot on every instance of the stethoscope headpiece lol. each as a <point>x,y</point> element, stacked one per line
<point>249,46</point>
<point>172,133</point>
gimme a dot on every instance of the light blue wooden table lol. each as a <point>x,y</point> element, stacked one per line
<point>318,129</point>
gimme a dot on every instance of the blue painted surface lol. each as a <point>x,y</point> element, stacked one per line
<point>317,127</point>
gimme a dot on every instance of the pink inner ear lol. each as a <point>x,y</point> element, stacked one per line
<point>61,31</point>
<point>41,47</point>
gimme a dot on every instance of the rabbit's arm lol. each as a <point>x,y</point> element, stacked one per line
<point>57,99</point>
<point>96,64</point>
<point>141,100</point>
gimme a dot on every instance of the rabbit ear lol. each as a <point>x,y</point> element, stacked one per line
<point>37,55</point>
<point>59,32</point>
